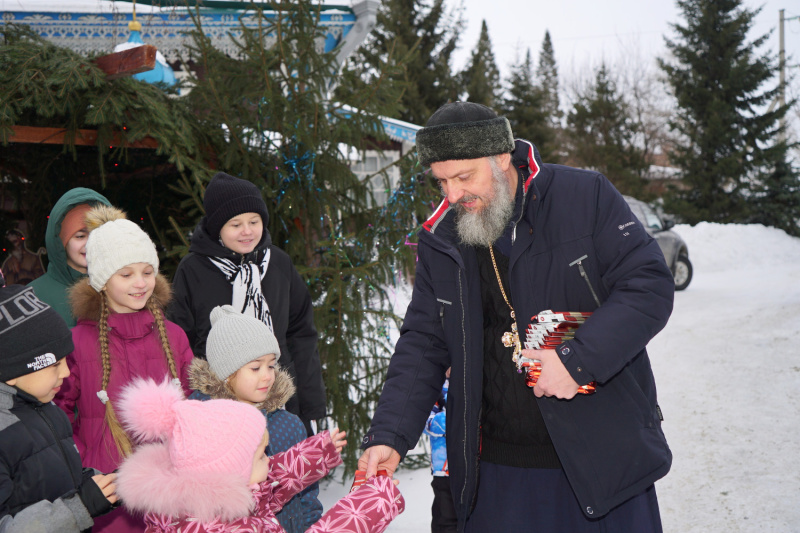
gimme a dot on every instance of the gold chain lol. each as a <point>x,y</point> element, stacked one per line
<point>500,282</point>
<point>510,339</point>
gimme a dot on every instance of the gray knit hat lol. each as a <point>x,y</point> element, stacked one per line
<point>463,130</point>
<point>235,340</point>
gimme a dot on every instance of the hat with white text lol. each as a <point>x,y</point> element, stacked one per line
<point>33,335</point>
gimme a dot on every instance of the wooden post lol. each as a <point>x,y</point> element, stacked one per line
<point>116,65</point>
<point>128,62</point>
<point>41,135</point>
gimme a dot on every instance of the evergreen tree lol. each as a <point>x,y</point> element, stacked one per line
<point>548,82</point>
<point>264,115</point>
<point>48,86</point>
<point>481,78</point>
<point>727,148</point>
<point>420,37</point>
<point>603,136</point>
<point>274,124</point>
<point>776,198</point>
<point>524,107</point>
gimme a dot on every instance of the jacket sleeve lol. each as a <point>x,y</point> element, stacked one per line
<point>301,337</point>
<point>298,467</point>
<point>640,292</point>
<point>416,371</point>
<point>67,399</point>
<point>371,507</point>
<point>180,309</point>
<point>308,498</point>
<point>66,514</point>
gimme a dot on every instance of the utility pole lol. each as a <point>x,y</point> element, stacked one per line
<point>782,63</point>
<point>781,100</point>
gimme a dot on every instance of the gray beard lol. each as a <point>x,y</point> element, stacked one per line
<point>482,228</point>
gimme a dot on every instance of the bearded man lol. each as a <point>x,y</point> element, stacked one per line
<point>514,237</point>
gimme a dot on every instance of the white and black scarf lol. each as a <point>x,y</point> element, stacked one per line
<point>246,280</point>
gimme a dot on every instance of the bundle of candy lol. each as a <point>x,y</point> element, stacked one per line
<point>548,330</point>
<point>361,478</point>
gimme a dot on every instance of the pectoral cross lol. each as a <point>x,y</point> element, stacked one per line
<point>511,338</point>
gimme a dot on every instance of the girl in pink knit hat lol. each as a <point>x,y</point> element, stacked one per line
<point>202,469</point>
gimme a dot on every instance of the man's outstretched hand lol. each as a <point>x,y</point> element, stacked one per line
<point>380,457</point>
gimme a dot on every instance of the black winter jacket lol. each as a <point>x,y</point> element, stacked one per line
<point>610,444</point>
<point>40,468</point>
<point>199,286</point>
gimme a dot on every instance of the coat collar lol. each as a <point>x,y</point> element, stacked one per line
<point>525,157</point>
<point>205,381</point>
<point>86,302</point>
<point>203,244</point>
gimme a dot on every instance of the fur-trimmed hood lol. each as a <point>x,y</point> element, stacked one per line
<point>85,301</point>
<point>204,380</point>
<point>148,483</point>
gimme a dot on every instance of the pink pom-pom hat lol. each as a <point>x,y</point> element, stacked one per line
<point>214,436</point>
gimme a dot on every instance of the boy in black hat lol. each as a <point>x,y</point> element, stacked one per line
<point>43,487</point>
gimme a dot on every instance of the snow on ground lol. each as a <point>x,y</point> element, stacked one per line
<point>728,372</point>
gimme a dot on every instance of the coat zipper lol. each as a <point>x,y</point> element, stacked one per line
<point>464,375</point>
<point>38,409</point>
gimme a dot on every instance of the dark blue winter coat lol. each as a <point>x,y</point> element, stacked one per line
<point>610,443</point>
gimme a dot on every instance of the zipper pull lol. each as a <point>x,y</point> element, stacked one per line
<point>578,262</point>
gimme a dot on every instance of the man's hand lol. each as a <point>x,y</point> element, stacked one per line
<point>555,379</point>
<point>380,457</point>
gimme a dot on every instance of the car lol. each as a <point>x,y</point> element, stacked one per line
<point>672,245</point>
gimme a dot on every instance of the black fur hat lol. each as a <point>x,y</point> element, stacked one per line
<point>463,130</point>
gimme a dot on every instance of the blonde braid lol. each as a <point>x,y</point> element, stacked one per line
<point>121,439</point>
<point>162,333</point>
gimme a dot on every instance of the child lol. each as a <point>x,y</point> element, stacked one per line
<point>242,363</point>
<point>232,261</point>
<point>208,470</point>
<point>443,511</point>
<point>66,248</point>
<point>121,334</point>
<point>43,487</point>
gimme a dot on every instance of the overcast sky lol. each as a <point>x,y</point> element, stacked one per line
<point>586,32</point>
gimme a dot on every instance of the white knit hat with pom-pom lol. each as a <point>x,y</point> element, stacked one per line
<point>114,242</point>
<point>203,437</point>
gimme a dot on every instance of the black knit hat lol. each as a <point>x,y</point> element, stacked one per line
<point>33,335</point>
<point>463,130</point>
<point>227,197</point>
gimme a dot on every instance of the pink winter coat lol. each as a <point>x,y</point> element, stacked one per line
<point>135,348</point>
<point>148,483</point>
